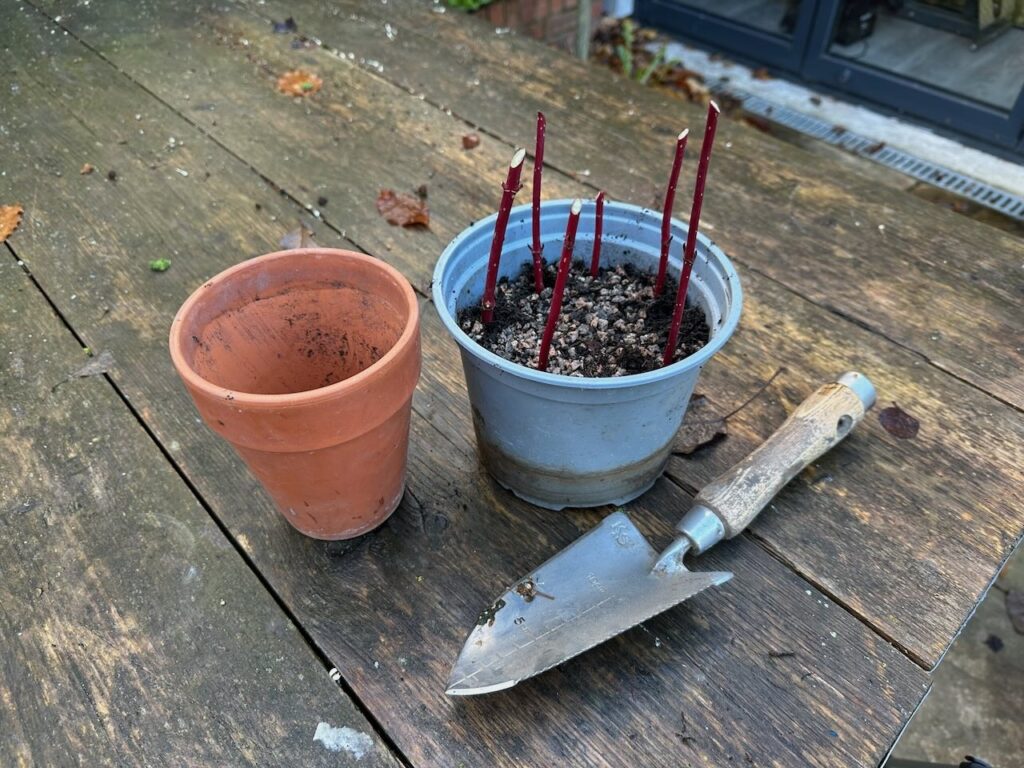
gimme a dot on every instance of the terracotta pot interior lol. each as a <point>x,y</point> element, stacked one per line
<point>292,337</point>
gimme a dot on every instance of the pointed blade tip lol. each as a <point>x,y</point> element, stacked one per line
<point>454,689</point>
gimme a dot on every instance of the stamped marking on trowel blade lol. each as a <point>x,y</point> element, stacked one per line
<point>596,583</point>
<point>620,531</point>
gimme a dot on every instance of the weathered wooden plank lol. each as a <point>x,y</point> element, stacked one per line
<point>132,631</point>
<point>901,520</point>
<point>392,608</point>
<point>920,276</point>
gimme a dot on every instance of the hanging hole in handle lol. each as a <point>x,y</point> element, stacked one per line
<point>843,425</point>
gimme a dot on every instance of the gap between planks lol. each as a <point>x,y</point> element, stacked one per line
<point>565,173</point>
<point>342,233</point>
<point>790,565</point>
<point>378,728</point>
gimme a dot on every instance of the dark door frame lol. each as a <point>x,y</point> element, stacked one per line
<point>805,54</point>
<point>935,105</point>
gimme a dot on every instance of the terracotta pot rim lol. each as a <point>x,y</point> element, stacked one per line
<point>294,399</point>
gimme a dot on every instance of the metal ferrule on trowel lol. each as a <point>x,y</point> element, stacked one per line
<point>703,527</point>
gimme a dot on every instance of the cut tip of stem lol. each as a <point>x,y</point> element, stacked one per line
<point>577,206</point>
<point>714,107</point>
<point>600,195</point>
<point>685,132</point>
<point>517,158</point>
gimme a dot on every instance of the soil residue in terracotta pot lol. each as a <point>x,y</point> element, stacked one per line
<point>609,326</point>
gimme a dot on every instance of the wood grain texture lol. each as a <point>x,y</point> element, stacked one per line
<point>815,426</point>
<point>132,631</point>
<point>918,275</point>
<point>971,526</point>
<point>890,499</point>
<point>392,608</point>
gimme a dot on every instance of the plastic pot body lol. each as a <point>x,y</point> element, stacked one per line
<point>306,361</point>
<point>561,441</point>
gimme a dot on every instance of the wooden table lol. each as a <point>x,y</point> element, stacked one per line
<point>155,609</point>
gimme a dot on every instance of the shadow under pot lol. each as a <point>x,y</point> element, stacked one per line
<point>565,441</point>
<point>306,361</point>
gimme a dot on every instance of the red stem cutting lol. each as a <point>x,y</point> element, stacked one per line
<point>666,213</point>
<point>563,273</point>
<point>537,248</point>
<point>595,258</point>
<point>690,250</point>
<point>509,189</point>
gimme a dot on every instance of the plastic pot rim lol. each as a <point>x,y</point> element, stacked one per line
<point>698,358</point>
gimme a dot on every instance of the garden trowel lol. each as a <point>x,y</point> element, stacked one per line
<point>611,579</point>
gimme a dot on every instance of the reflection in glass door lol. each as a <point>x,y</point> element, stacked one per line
<point>773,16</point>
<point>771,32</point>
<point>988,68</point>
<point>955,64</point>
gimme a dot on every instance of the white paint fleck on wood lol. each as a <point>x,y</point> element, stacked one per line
<point>343,739</point>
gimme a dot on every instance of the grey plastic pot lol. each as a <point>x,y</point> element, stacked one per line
<point>563,441</point>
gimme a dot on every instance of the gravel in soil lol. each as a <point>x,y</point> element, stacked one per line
<point>610,325</point>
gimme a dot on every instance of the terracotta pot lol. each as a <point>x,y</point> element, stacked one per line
<point>306,361</point>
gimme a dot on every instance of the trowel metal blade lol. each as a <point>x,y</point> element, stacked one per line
<point>600,585</point>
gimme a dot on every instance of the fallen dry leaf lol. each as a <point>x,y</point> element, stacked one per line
<point>87,169</point>
<point>403,210</point>
<point>97,366</point>
<point>102,363</point>
<point>898,422</point>
<point>10,218</point>
<point>299,82</point>
<point>470,141</point>
<point>298,238</point>
<point>700,426</point>
<point>1015,608</point>
<point>761,74</point>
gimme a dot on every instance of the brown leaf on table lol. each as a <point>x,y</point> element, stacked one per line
<point>898,422</point>
<point>299,82</point>
<point>403,210</point>
<point>761,74</point>
<point>86,169</point>
<point>701,425</point>
<point>876,147</point>
<point>815,100</point>
<point>10,218</point>
<point>298,238</point>
<point>470,141</point>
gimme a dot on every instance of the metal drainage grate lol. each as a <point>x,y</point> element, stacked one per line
<point>930,173</point>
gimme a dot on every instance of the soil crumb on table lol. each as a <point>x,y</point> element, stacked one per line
<point>610,325</point>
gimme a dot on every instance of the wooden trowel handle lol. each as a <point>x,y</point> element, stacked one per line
<point>818,423</point>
